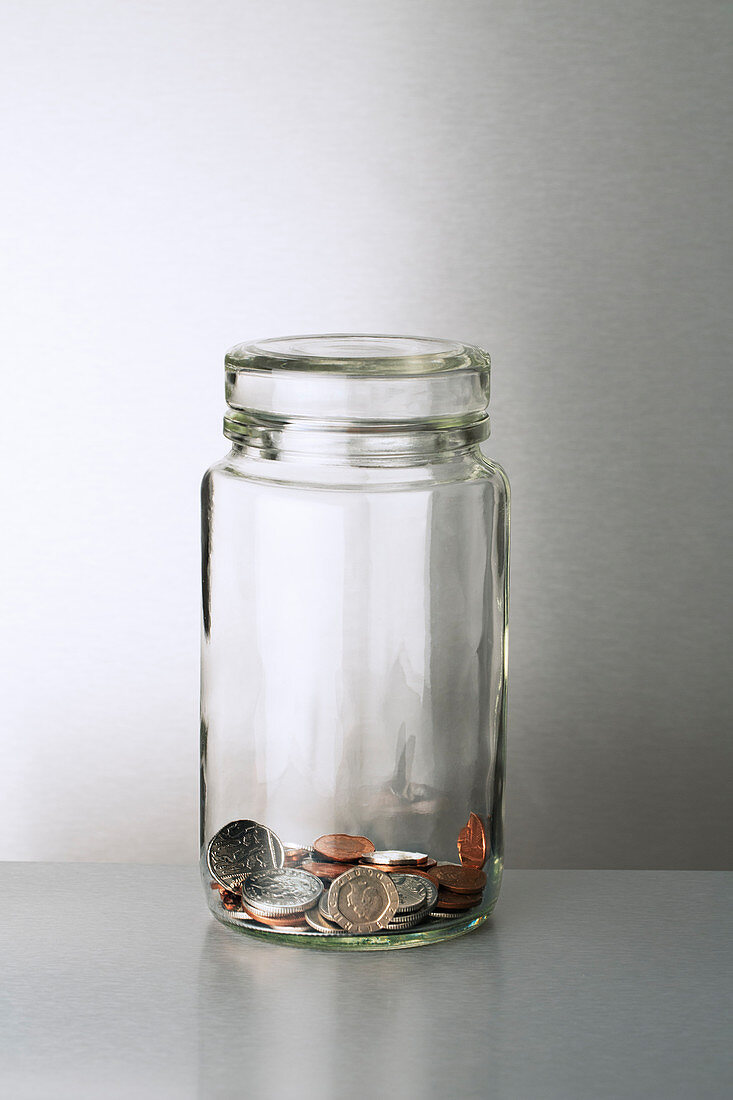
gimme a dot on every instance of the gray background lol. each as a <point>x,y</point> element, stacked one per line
<point>549,180</point>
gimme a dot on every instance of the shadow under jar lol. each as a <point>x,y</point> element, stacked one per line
<point>353,699</point>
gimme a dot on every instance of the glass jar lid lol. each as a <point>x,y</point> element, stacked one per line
<point>343,379</point>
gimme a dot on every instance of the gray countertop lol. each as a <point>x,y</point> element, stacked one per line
<point>116,982</point>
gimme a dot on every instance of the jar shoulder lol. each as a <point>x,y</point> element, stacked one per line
<point>495,472</point>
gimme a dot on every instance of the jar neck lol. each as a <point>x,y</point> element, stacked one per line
<point>402,443</point>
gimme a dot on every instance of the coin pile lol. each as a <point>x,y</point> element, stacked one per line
<point>341,885</point>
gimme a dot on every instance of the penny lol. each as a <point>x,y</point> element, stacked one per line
<point>275,922</point>
<point>240,849</point>
<point>472,843</point>
<point>342,847</point>
<point>230,900</point>
<point>448,900</point>
<point>295,856</point>
<point>328,871</point>
<point>282,891</point>
<point>316,919</point>
<point>389,857</point>
<point>412,894</point>
<point>461,880</point>
<point>234,890</point>
<point>363,900</point>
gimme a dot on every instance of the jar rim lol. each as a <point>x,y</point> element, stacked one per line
<point>358,355</point>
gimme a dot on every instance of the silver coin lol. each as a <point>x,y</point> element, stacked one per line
<point>241,917</point>
<point>455,915</point>
<point>362,900</point>
<point>412,893</point>
<point>410,918</point>
<point>431,890</point>
<point>281,892</point>
<point>389,856</point>
<point>404,924</point>
<point>316,920</point>
<point>241,848</point>
<point>421,912</point>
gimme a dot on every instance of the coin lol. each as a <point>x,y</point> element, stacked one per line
<point>234,890</point>
<point>417,871</point>
<point>281,891</point>
<point>275,922</point>
<point>407,868</point>
<point>363,900</point>
<point>472,843</point>
<point>448,900</point>
<point>403,924</point>
<point>295,856</point>
<point>241,848</point>
<point>461,880</point>
<point>445,915</point>
<point>342,847</point>
<point>411,892</point>
<point>230,900</point>
<point>431,890</point>
<point>390,857</point>
<point>328,871</point>
<point>316,920</point>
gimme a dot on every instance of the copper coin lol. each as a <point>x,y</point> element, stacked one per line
<point>215,886</point>
<point>328,871</point>
<point>236,890</point>
<point>461,880</point>
<point>342,847</point>
<point>447,900</point>
<point>295,856</point>
<point>296,921</point>
<point>405,869</point>
<point>230,900</point>
<point>472,843</point>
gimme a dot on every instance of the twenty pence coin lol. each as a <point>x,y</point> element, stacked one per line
<point>363,900</point>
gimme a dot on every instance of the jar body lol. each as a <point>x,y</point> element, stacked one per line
<point>353,663</point>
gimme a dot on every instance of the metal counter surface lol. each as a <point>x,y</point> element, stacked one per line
<point>116,982</point>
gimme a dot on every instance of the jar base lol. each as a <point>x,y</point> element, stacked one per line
<point>435,931</point>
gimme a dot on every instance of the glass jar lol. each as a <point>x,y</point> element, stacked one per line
<point>353,699</point>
